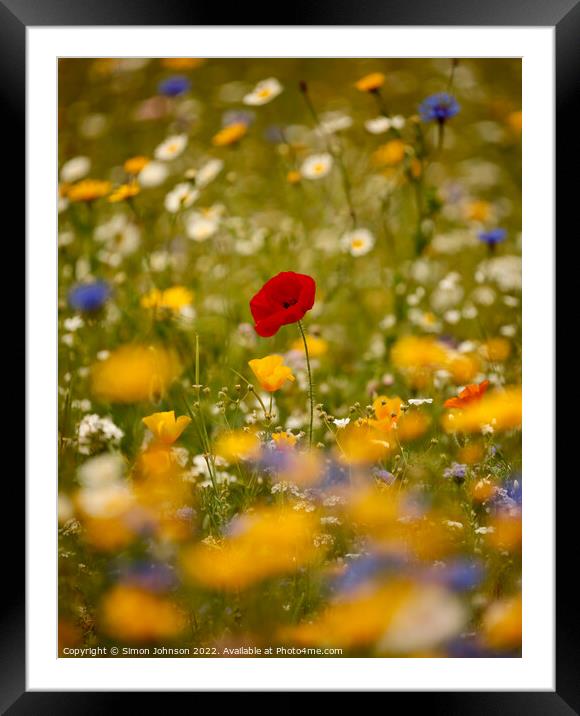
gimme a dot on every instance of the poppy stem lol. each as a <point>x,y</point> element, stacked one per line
<point>310,390</point>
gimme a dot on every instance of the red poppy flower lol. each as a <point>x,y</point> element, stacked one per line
<point>470,394</point>
<point>283,299</point>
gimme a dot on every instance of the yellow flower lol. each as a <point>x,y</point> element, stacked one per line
<point>370,83</point>
<point>361,444</point>
<point>316,346</point>
<point>133,373</point>
<point>133,614</point>
<point>88,190</point>
<point>237,445</point>
<point>182,63</point>
<point>478,210</point>
<point>502,410</point>
<point>266,543</point>
<point>293,176</point>
<point>353,621</point>
<point>418,358</point>
<point>172,299</point>
<point>496,350</point>
<point>387,408</point>
<point>230,134</point>
<point>165,427</point>
<point>134,165</point>
<point>502,623</point>
<point>271,372</point>
<point>284,439</point>
<point>125,191</point>
<point>389,154</point>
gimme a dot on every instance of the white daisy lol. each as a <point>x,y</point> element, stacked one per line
<point>378,125</point>
<point>331,122</point>
<point>263,92</point>
<point>172,147</point>
<point>358,242</point>
<point>420,401</point>
<point>208,172</point>
<point>75,169</point>
<point>316,166</point>
<point>180,197</point>
<point>153,174</point>
<point>201,227</point>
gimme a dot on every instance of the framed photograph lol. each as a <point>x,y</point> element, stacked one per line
<point>290,354</point>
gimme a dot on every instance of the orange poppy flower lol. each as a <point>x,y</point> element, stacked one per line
<point>470,394</point>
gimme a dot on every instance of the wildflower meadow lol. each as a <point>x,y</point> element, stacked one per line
<point>290,357</point>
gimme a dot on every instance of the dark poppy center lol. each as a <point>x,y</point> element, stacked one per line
<point>291,302</point>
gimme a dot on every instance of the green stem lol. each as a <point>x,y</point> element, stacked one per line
<point>310,389</point>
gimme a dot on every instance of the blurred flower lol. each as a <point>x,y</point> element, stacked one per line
<point>293,176</point>
<point>265,543</point>
<point>172,299</point>
<point>358,242</point>
<point>125,191</point>
<point>456,472</point>
<point>370,83</point>
<point>380,125</point>
<point>470,394</point>
<point>502,410</point>
<point>316,346</point>
<point>165,427</point>
<point>208,172</point>
<point>362,444</point>
<point>89,297</point>
<point>263,92</point>
<point>271,372</point>
<point>283,299</point>
<point>316,166</point>
<point>237,445</point>
<point>284,439</point>
<point>107,468</point>
<point>502,624</point>
<point>134,373</point>
<point>88,190</point>
<point>182,63</point>
<point>153,174</point>
<point>174,86</point>
<point>171,147</point>
<point>75,169</point>
<point>134,165</point>
<point>132,614</point>
<point>439,108</point>
<point>201,225</point>
<point>389,154</point>
<point>492,237</point>
<point>180,197</point>
<point>95,433</point>
<point>230,134</point>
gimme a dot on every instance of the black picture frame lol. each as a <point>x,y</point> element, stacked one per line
<point>15,17</point>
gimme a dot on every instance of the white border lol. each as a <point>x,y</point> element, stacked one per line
<point>535,670</point>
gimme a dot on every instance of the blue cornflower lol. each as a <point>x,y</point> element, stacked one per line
<point>89,297</point>
<point>492,237</point>
<point>174,86</point>
<point>438,108</point>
